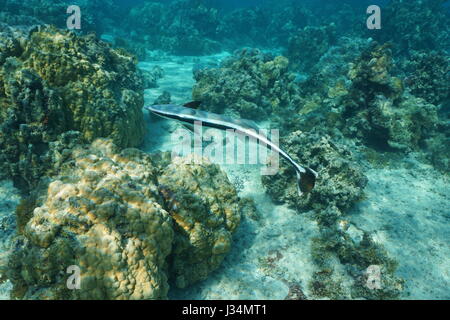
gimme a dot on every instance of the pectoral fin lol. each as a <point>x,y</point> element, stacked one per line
<point>192,104</point>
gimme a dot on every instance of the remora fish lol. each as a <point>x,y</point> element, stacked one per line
<point>188,115</point>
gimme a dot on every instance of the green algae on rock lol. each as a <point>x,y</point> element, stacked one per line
<point>108,212</point>
<point>54,81</point>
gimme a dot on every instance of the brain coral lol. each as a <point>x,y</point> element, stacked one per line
<point>110,214</point>
<point>205,218</point>
<point>252,84</point>
<point>54,81</point>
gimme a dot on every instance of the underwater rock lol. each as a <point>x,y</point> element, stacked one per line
<point>438,147</point>
<point>251,84</point>
<point>341,181</point>
<point>346,267</point>
<point>101,214</point>
<point>267,24</point>
<point>343,252</point>
<point>129,221</point>
<point>54,81</point>
<point>371,73</point>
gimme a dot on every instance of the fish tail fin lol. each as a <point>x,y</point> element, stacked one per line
<point>306,181</point>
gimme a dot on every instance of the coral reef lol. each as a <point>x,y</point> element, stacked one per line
<point>427,75</point>
<point>377,108</point>
<point>306,46</point>
<point>164,98</point>
<point>267,24</point>
<point>250,84</point>
<point>364,101</point>
<point>52,82</point>
<point>180,27</point>
<point>9,199</point>
<point>128,220</point>
<point>151,77</point>
<point>357,254</point>
<point>97,15</point>
<point>415,25</point>
<point>341,181</point>
<point>437,146</point>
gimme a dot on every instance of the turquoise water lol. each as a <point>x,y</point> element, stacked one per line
<point>360,98</point>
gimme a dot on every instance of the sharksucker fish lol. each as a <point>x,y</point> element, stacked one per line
<point>188,115</point>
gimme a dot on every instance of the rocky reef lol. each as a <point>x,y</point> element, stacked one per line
<point>130,221</point>
<point>52,82</point>
<point>250,84</point>
<point>206,211</point>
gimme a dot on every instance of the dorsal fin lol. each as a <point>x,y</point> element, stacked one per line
<point>192,104</point>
